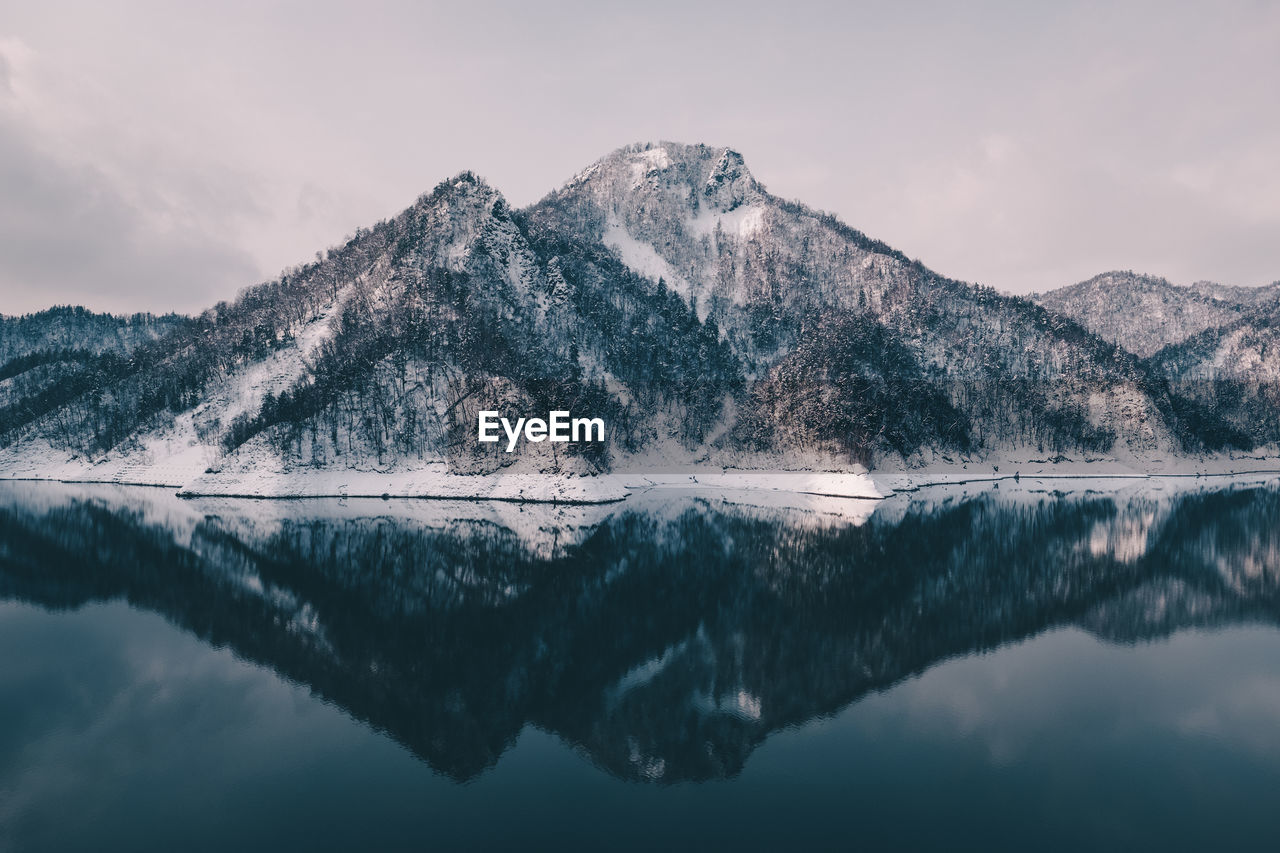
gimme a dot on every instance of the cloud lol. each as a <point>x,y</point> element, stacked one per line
<point>80,224</point>
<point>14,53</point>
<point>1022,146</point>
<point>68,234</point>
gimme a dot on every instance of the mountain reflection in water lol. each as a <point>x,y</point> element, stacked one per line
<point>664,638</point>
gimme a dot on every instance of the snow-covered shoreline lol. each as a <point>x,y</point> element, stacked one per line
<point>519,487</point>
<point>806,487</point>
<point>1034,467</point>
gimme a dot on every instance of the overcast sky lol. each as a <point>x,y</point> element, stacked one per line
<point>158,156</point>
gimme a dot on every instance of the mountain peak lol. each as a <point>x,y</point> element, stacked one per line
<point>1142,313</point>
<point>716,177</point>
<point>464,198</point>
<point>730,183</point>
<point>464,185</point>
<point>1126,278</point>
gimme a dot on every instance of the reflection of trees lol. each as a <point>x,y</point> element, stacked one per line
<point>664,647</point>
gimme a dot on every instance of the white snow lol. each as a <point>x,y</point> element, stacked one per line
<point>1073,473</point>
<point>656,158</point>
<point>741,223</point>
<point>642,259</point>
<point>584,175</point>
<point>174,457</point>
<point>174,454</point>
<point>431,481</point>
<point>835,484</point>
<point>648,162</point>
<point>838,493</point>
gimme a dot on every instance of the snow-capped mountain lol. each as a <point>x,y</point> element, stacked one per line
<point>810,306</point>
<point>1144,313</point>
<point>1251,297</point>
<point>662,289</point>
<point>1233,370</point>
<point>1215,345</point>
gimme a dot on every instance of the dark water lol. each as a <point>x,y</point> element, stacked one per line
<point>1026,671</point>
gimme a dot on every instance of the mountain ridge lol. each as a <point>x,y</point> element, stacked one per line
<point>1144,313</point>
<point>663,289</point>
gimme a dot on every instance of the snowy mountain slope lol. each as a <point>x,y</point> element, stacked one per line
<point>67,328</point>
<point>1143,313</point>
<point>1214,345</point>
<point>172,446</point>
<point>42,350</point>
<point>1263,297</point>
<point>378,358</point>
<point>1233,370</point>
<point>662,290</point>
<point>777,278</point>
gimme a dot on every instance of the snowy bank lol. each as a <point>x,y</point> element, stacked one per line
<point>430,483</point>
<point>527,486</point>
<point>1065,470</point>
<point>180,468</point>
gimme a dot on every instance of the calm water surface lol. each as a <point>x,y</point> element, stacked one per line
<point>1014,671</point>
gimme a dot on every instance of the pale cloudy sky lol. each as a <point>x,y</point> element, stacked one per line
<point>164,155</point>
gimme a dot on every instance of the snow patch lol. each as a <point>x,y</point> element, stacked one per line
<point>175,453</point>
<point>741,223</point>
<point>642,259</point>
<point>648,162</point>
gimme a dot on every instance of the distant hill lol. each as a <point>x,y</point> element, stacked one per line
<point>1233,370</point>
<point>42,350</point>
<point>1143,313</point>
<point>74,328</point>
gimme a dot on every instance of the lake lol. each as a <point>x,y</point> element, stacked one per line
<point>986,669</point>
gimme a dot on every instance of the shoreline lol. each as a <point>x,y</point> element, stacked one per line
<point>534,488</point>
<point>1039,477</point>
